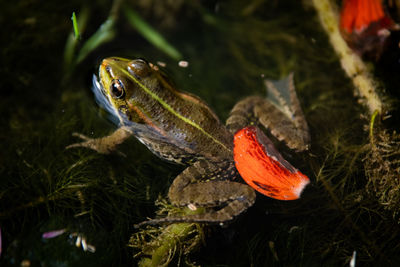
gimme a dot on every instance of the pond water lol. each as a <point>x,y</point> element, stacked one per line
<point>230,47</point>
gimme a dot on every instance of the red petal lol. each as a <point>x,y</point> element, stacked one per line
<point>263,167</point>
<point>357,15</point>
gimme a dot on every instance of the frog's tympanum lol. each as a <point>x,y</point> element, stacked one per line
<point>181,128</point>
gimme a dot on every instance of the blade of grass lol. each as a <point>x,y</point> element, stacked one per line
<point>75,24</point>
<point>150,34</point>
<point>72,41</point>
<point>105,33</point>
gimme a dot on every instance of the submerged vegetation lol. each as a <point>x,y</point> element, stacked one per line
<point>382,168</point>
<point>354,161</point>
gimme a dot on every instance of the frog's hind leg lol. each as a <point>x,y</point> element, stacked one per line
<point>280,113</point>
<point>204,185</point>
<point>242,114</point>
<point>226,214</point>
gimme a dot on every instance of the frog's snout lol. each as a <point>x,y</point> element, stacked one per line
<point>107,61</point>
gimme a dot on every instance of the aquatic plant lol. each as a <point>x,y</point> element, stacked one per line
<point>382,169</point>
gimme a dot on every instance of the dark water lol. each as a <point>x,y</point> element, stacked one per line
<point>230,46</point>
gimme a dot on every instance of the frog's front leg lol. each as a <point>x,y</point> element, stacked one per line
<point>103,145</point>
<point>205,184</point>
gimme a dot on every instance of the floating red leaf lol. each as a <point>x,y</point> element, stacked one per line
<point>264,168</point>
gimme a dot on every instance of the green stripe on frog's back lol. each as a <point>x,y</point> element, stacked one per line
<point>169,108</point>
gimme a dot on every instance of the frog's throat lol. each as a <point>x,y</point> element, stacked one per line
<point>103,100</point>
<point>169,108</point>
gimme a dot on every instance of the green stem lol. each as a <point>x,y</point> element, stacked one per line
<point>150,34</point>
<point>371,127</point>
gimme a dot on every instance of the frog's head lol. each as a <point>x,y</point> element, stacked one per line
<point>119,81</point>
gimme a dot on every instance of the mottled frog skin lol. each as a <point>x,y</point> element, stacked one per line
<point>181,128</point>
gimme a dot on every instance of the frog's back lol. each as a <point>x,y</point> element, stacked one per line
<point>186,123</point>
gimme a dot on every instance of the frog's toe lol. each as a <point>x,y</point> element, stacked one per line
<point>81,136</point>
<point>73,146</point>
<point>87,142</point>
<point>148,222</point>
<point>166,220</point>
<point>97,146</point>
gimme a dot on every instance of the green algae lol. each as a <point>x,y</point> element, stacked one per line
<point>44,187</point>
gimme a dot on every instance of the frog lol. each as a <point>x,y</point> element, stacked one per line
<point>181,128</point>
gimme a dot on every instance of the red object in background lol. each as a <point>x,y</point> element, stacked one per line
<point>358,15</point>
<point>264,168</point>
<point>366,26</point>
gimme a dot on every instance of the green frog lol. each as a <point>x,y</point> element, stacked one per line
<point>181,128</point>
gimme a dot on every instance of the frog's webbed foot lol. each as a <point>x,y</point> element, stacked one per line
<point>205,184</point>
<point>103,145</point>
<point>294,130</point>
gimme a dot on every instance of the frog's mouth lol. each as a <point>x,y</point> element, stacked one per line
<point>103,101</point>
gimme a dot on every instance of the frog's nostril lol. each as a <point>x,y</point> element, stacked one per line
<point>115,59</point>
<point>105,63</point>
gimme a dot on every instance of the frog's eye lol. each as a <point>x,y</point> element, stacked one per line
<point>117,89</point>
